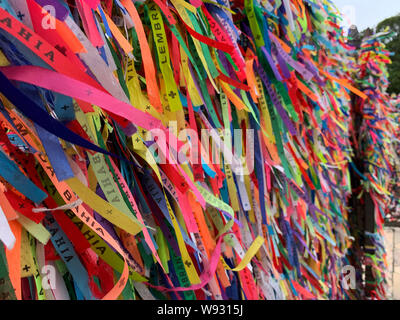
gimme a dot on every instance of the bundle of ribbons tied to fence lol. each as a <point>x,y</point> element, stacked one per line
<point>377,158</point>
<point>184,150</point>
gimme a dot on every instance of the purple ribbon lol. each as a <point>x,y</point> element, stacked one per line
<point>272,64</point>
<point>307,75</point>
<point>276,101</point>
<point>60,11</point>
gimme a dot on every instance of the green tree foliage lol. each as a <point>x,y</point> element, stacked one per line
<point>393,45</point>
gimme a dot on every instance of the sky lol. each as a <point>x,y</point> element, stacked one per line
<point>367,13</point>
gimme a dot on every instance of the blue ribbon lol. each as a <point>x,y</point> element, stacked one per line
<point>32,111</point>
